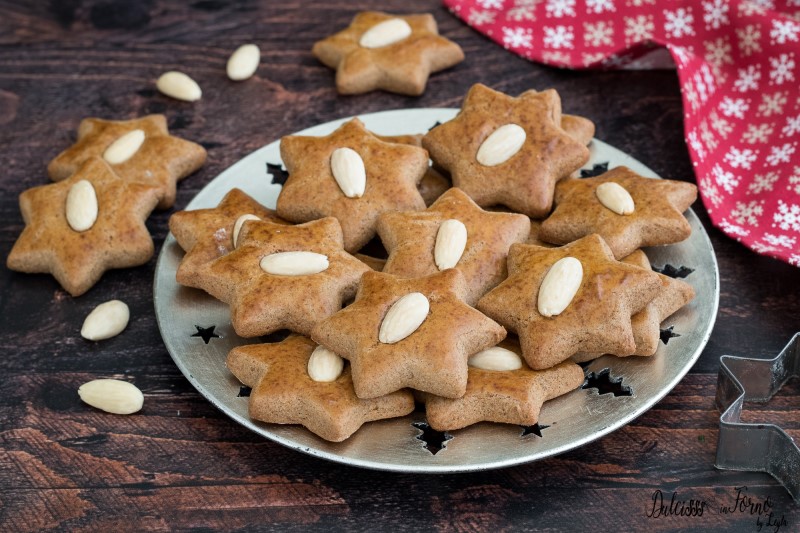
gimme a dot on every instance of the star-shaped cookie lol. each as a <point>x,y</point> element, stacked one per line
<point>401,66</point>
<point>77,259</point>
<point>283,392</point>
<point>392,173</point>
<point>657,217</point>
<point>161,159</point>
<point>433,184</point>
<point>504,396</point>
<point>525,180</point>
<point>432,358</point>
<point>263,302</point>
<point>207,234</point>
<point>598,317</point>
<point>411,239</point>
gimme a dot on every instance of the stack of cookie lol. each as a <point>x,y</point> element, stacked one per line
<point>460,274</point>
<point>108,183</point>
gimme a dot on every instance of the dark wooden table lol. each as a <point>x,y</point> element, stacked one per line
<point>181,464</point>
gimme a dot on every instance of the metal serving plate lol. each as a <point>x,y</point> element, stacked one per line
<point>574,419</point>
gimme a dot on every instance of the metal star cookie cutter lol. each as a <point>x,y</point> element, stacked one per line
<point>757,447</point>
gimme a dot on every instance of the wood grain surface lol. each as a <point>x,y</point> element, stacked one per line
<point>180,464</point>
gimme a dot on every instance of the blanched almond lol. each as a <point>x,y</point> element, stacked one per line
<point>179,86</point>
<point>451,239</point>
<point>615,197</point>
<point>385,33</point>
<point>559,286</point>
<point>124,147</point>
<point>324,365</point>
<point>105,321</point>
<point>112,396</point>
<point>81,208</point>
<point>348,170</point>
<point>294,263</point>
<point>404,317</point>
<point>496,358</point>
<point>501,145</point>
<point>243,63</point>
<point>237,226</point>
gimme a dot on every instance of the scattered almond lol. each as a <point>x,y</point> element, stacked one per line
<point>105,321</point>
<point>559,286</point>
<point>324,366</point>
<point>112,396</point>
<point>179,86</point>
<point>385,33</point>
<point>294,263</point>
<point>243,63</point>
<point>496,358</point>
<point>451,240</point>
<point>404,317</point>
<point>124,147</point>
<point>81,208</point>
<point>615,197</point>
<point>348,170</point>
<point>237,226</point>
<point>501,145</point>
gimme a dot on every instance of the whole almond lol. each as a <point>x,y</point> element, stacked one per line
<point>496,358</point>
<point>124,147</point>
<point>385,33</point>
<point>294,263</point>
<point>243,63</point>
<point>81,208</point>
<point>105,321</point>
<point>112,396</point>
<point>615,197</point>
<point>501,145</point>
<point>404,317</point>
<point>559,286</point>
<point>451,239</point>
<point>179,86</point>
<point>348,170</point>
<point>237,226</point>
<point>324,366</point>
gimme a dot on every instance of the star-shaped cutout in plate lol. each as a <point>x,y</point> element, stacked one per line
<point>525,181</point>
<point>161,160</point>
<point>283,393</point>
<point>392,173</point>
<point>410,238</point>
<point>657,217</point>
<point>597,319</point>
<point>77,259</point>
<point>262,303</point>
<point>207,234</point>
<point>400,67</point>
<point>433,358</point>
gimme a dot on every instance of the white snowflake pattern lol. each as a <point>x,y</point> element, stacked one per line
<point>479,18</point>
<point>782,69</point>
<point>755,7</point>
<point>679,22</point>
<point>725,179</point>
<point>749,38</point>
<point>560,8</point>
<point>761,247</point>
<point>733,229</point>
<point>734,107</point>
<point>711,193</point>
<point>681,54</point>
<point>716,13</point>
<point>691,96</point>
<point>748,213</point>
<point>592,59</point>
<point>720,125</point>
<point>700,86</point>
<point>783,31</point>
<point>639,28</point>
<point>784,241</point>
<point>598,33</point>
<point>787,217</point>
<point>794,181</point>
<point>491,4</point>
<point>762,182</point>
<point>697,146</point>
<point>517,37</point>
<point>772,104</point>
<point>740,158</point>
<point>780,154</point>
<point>599,6</point>
<point>708,78</point>
<point>792,126</point>
<point>794,260</point>
<point>555,58</point>
<point>748,79</point>
<point>522,10</point>
<point>718,52</point>
<point>707,136</point>
<point>757,133</point>
<point>558,37</point>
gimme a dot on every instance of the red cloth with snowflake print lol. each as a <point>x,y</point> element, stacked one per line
<point>738,67</point>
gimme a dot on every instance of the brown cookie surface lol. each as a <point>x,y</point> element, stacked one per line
<point>433,183</point>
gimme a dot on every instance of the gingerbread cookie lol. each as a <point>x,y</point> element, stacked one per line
<point>505,150</point>
<point>207,234</point>
<point>295,382</point>
<point>415,333</point>
<point>453,233</point>
<point>502,388</point>
<point>576,298</point>
<point>626,209</point>
<point>140,150</point>
<point>433,183</point>
<point>284,277</point>
<point>382,51</point>
<point>579,128</point>
<point>78,228</point>
<point>351,175</point>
